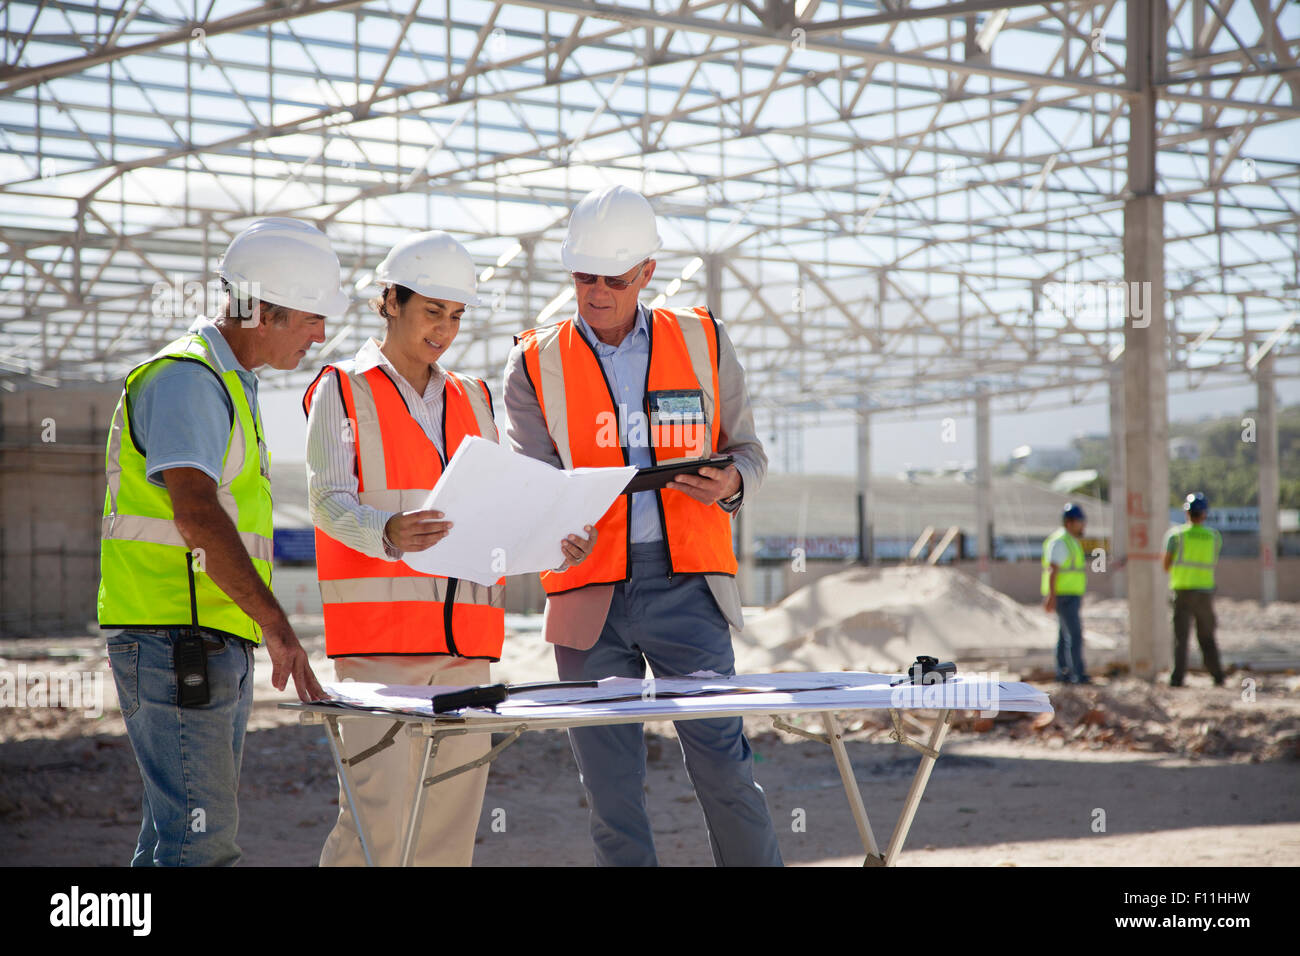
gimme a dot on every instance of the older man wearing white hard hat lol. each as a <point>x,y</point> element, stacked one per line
<point>185,555</point>
<point>618,384</point>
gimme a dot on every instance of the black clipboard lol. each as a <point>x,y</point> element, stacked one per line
<point>658,476</point>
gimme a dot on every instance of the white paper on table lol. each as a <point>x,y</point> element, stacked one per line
<point>751,693</point>
<point>510,512</point>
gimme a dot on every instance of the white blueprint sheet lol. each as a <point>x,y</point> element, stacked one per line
<point>509,512</point>
<point>759,693</point>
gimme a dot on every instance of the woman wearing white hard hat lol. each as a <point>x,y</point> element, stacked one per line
<point>380,430</point>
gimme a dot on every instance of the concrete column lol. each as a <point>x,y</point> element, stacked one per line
<point>742,530</point>
<point>530,314</point>
<point>865,549</point>
<point>1146,437</point>
<point>1117,560</point>
<point>1266,452</point>
<point>983,488</point>
<point>1146,353</point>
<point>713,286</point>
<point>742,537</point>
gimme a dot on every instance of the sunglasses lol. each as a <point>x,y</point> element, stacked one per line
<point>616,285</point>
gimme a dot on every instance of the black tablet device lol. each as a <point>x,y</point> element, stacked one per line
<point>647,479</point>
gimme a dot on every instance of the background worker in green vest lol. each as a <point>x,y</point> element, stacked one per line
<point>1191,552</point>
<point>185,550</point>
<point>1063,583</point>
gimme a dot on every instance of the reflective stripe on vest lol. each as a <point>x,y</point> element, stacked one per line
<point>1070,577</point>
<point>374,606</point>
<point>1195,555</point>
<point>144,560</point>
<point>581,417</point>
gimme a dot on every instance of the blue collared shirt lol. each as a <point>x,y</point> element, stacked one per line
<point>626,366</point>
<point>181,413</point>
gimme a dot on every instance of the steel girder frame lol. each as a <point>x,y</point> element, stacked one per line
<point>897,206</point>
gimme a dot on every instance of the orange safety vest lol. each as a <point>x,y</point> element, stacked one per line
<point>374,606</point>
<point>580,414</point>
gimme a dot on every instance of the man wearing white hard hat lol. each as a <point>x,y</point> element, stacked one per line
<point>185,553</point>
<point>380,430</point>
<point>618,384</point>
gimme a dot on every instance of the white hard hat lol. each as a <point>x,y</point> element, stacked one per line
<point>611,230</point>
<point>285,262</point>
<point>432,264</point>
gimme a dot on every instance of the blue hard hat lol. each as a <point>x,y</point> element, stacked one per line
<point>1196,504</point>
<point>1073,511</point>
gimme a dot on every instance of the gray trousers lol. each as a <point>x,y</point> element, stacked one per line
<point>676,626</point>
<point>1198,606</point>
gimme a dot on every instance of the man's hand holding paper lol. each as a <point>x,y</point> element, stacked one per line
<point>576,549</point>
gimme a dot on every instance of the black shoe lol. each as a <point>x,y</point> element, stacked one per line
<point>1175,683</point>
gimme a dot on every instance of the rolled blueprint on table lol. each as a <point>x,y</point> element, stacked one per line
<point>510,512</point>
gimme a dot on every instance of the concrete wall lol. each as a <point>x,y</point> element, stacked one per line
<point>51,499</point>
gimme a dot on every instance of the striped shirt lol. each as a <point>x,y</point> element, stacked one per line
<point>332,493</point>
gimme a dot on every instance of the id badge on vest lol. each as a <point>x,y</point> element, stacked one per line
<point>677,421</point>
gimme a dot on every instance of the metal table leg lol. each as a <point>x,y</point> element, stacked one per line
<point>335,740</point>
<point>835,737</point>
<point>929,754</point>
<point>431,742</point>
<point>424,782</point>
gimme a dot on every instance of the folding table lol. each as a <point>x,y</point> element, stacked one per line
<point>626,700</point>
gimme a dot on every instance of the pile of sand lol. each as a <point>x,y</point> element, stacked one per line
<point>881,618</point>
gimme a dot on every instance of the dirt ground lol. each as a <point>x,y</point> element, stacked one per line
<point>1125,773</point>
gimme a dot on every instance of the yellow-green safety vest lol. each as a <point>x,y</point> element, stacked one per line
<point>1070,577</point>
<point>1196,549</point>
<point>144,562</point>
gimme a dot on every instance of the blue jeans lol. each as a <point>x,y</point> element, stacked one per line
<point>188,756</point>
<point>1069,639</point>
<point>677,627</point>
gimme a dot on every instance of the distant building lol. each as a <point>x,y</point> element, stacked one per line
<point>1186,449</point>
<point>821,512</point>
<point>1069,481</point>
<point>1046,459</point>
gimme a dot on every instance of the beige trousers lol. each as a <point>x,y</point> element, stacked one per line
<point>384,784</point>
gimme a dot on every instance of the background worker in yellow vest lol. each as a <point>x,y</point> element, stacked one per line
<point>185,555</point>
<point>1191,552</point>
<point>380,428</point>
<point>1063,584</point>
<point>618,384</point>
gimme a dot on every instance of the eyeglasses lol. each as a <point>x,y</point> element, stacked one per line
<point>615,285</point>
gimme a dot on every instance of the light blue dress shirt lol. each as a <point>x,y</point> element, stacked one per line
<point>626,366</point>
